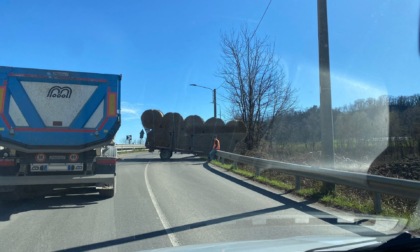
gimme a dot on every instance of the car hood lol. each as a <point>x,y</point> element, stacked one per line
<point>301,243</point>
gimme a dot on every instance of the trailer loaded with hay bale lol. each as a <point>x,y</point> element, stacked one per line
<point>170,133</point>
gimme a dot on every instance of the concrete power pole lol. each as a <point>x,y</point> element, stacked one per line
<point>327,132</point>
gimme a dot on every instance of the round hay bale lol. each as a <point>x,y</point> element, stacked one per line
<point>183,142</point>
<point>162,139</point>
<point>202,143</point>
<point>201,129</point>
<point>214,125</point>
<point>228,141</point>
<point>212,122</point>
<point>192,122</point>
<point>236,126</point>
<point>157,138</point>
<point>151,119</point>
<point>173,121</point>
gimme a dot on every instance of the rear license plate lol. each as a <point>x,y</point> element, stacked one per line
<point>63,167</point>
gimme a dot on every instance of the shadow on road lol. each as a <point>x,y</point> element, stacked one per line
<point>158,160</point>
<point>354,227</point>
<point>65,199</point>
<point>139,237</point>
<point>301,206</point>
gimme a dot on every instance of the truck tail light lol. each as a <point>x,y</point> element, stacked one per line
<point>106,161</point>
<point>7,162</point>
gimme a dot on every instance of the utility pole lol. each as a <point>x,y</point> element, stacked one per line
<point>214,103</point>
<point>327,133</point>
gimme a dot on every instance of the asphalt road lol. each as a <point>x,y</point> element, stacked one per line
<point>163,204</point>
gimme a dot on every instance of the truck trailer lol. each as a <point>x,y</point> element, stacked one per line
<point>171,133</point>
<point>56,131</point>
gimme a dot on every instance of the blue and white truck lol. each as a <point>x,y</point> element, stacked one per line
<point>56,131</point>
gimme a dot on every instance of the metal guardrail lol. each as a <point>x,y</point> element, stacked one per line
<point>120,147</point>
<point>377,184</point>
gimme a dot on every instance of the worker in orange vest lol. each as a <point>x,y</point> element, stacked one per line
<point>216,147</point>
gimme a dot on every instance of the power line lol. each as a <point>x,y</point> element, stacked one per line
<point>219,86</point>
<point>256,28</point>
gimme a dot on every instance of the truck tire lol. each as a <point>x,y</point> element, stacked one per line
<point>107,193</point>
<point>165,154</point>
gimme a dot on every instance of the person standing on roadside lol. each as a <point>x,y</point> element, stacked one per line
<point>216,147</point>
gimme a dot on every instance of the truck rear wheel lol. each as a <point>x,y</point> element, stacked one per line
<point>107,193</point>
<point>165,154</point>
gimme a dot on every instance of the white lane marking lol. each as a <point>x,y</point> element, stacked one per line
<point>115,185</point>
<point>162,217</point>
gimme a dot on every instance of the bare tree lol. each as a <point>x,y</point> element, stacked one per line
<point>255,82</point>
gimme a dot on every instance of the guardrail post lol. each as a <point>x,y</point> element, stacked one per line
<point>257,171</point>
<point>377,202</point>
<point>297,183</point>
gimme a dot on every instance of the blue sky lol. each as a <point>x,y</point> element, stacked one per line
<point>160,47</point>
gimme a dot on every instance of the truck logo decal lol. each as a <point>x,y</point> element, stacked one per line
<point>59,92</point>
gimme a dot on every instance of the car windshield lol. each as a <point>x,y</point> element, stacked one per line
<point>136,125</point>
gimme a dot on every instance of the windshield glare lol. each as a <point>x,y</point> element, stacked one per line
<point>143,125</point>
